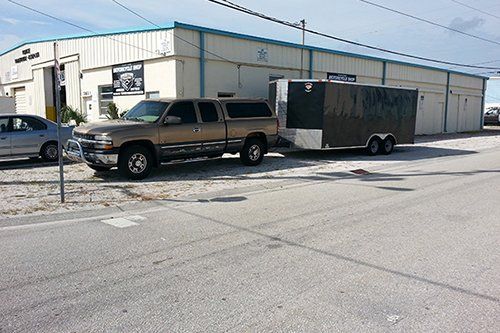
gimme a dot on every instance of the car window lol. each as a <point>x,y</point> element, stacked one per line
<point>185,111</point>
<point>208,112</point>
<point>26,124</point>
<point>4,125</point>
<point>248,110</point>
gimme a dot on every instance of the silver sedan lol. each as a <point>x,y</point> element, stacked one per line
<point>30,136</point>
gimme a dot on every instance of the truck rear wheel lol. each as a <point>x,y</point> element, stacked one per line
<point>387,146</point>
<point>135,162</point>
<point>252,152</point>
<point>373,146</point>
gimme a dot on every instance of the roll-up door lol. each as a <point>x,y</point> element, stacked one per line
<point>20,100</point>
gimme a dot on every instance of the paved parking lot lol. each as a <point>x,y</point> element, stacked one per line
<point>32,188</point>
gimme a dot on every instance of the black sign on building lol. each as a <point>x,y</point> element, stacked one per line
<point>128,79</point>
<point>342,77</point>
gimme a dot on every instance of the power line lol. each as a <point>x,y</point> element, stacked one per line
<point>231,5</point>
<point>176,36</point>
<point>77,26</point>
<point>474,8</point>
<point>429,22</point>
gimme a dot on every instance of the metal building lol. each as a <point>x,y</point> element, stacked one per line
<point>181,60</point>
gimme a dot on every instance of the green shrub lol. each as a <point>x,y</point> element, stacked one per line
<point>69,113</point>
<point>113,112</point>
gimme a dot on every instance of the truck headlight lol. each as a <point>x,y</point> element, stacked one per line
<point>104,138</point>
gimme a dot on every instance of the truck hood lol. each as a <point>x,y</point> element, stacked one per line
<point>110,126</point>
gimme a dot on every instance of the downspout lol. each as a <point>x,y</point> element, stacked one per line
<point>481,124</point>
<point>311,64</point>
<point>447,98</point>
<point>384,72</point>
<point>202,64</point>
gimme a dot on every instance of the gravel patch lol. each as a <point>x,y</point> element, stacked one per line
<point>33,188</point>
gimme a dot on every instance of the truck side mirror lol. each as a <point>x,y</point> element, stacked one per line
<point>172,120</point>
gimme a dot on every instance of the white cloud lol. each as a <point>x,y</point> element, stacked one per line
<point>10,20</point>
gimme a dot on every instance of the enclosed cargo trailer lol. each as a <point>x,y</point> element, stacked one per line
<point>319,114</point>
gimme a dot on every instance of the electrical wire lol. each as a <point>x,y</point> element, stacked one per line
<point>176,36</point>
<point>232,5</point>
<point>429,22</point>
<point>78,26</point>
<point>474,8</point>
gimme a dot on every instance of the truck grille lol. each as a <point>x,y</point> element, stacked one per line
<point>83,136</point>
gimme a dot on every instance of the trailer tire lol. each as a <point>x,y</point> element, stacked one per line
<point>387,146</point>
<point>374,146</point>
<point>135,162</point>
<point>252,152</point>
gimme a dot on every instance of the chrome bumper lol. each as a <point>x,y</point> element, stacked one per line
<point>75,152</point>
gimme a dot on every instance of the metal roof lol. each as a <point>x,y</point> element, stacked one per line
<point>186,26</point>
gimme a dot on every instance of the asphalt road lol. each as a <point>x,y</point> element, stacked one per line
<point>414,248</point>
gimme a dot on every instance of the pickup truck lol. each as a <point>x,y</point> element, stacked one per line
<point>163,131</point>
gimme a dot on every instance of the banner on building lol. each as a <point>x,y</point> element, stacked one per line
<point>342,77</point>
<point>128,79</point>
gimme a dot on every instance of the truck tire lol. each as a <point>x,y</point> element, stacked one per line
<point>252,152</point>
<point>49,152</point>
<point>99,168</point>
<point>135,162</point>
<point>387,146</point>
<point>373,147</point>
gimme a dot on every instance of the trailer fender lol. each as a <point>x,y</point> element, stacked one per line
<point>382,137</point>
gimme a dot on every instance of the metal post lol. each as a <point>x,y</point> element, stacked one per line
<point>57,85</point>
<point>303,24</point>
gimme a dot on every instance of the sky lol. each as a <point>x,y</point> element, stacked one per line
<point>349,19</point>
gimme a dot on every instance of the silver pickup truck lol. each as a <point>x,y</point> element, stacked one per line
<point>162,131</point>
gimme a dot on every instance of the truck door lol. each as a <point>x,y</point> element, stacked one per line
<point>184,139</point>
<point>4,136</point>
<point>213,128</point>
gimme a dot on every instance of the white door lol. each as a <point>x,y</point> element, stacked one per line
<point>20,100</point>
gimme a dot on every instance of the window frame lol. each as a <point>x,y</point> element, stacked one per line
<point>197,115</point>
<point>220,117</point>
<point>100,100</point>
<point>11,123</point>
<point>248,103</point>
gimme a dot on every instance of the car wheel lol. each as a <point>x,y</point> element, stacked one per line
<point>252,152</point>
<point>99,168</point>
<point>49,152</point>
<point>373,146</point>
<point>387,146</point>
<point>135,162</point>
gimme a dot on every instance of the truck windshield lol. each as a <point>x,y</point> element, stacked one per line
<point>147,111</point>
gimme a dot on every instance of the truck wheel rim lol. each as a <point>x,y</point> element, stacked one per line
<point>51,152</point>
<point>388,145</point>
<point>137,163</point>
<point>254,153</point>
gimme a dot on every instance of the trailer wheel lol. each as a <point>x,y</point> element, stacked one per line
<point>374,146</point>
<point>252,152</point>
<point>387,146</point>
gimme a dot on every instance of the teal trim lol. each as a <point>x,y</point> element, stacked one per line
<point>245,37</point>
<point>311,64</point>
<point>384,72</point>
<point>483,101</point>
<point>314,48</point>
<point>168,26</point>
<point>202,64</point>
<point>446,103</point>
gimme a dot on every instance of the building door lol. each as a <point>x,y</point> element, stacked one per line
<point>20,100</point>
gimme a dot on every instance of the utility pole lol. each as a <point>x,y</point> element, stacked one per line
<point>57,91</point>
<point>303,25</point>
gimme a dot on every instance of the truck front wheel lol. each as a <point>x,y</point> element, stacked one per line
<point>252,152</point>
<point>135,162</point>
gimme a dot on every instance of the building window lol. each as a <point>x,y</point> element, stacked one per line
<point>275,77</point>
<point>226,94</point>
<point>105,97</point>
<point>152,95</point>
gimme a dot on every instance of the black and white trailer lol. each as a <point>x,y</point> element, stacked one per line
<point>322,114</point>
